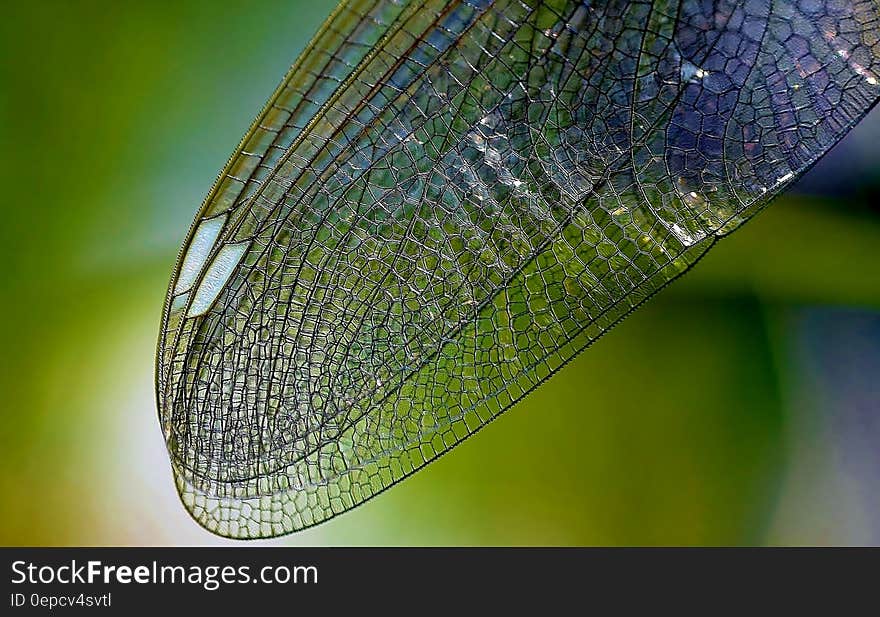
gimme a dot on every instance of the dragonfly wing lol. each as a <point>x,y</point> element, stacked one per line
<point>483,190</point>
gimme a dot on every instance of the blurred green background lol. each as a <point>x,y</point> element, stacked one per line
<point>736,408</point>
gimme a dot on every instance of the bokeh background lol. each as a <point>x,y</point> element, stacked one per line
<point>741,406</point>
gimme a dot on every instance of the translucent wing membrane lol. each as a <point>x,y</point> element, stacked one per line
<point>444,202</point>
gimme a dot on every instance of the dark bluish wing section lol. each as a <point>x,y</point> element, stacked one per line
<point>446,201</point>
